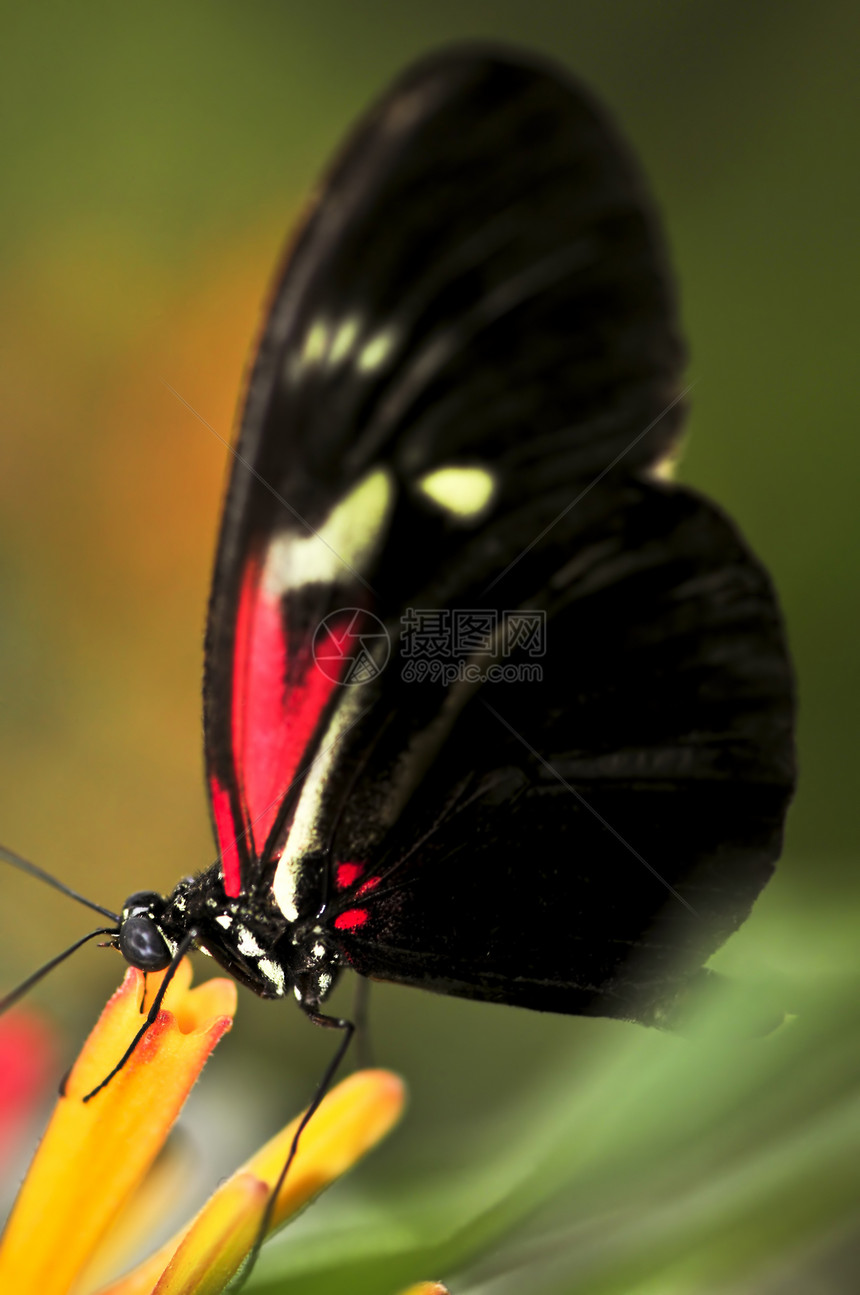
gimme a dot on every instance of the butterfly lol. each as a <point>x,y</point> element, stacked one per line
<point>492,707</point>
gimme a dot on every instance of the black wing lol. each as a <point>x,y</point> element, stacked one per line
<point>480,280</point>
<point>469,370</point>
<point>585,841</point>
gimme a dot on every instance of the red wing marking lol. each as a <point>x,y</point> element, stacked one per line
<point>273,720</point>
<point>226,830</point>
<point>259,703</point>
<point>352,918</point>
<point>347,874</point>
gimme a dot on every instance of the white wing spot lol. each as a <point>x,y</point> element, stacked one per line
<point>344,340</point>
<point>375,352</point>
<point>315,342</point>
<point>464,492</point>
<point>314,348</point>
<point>225,920</point>
<point>664,469</point>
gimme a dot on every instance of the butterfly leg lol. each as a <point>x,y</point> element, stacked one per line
<point>361,1003</point>
<point>329,1023</point>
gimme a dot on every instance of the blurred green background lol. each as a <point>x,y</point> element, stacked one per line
<point>153,160</point>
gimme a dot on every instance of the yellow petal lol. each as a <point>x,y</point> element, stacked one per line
<point>204,1262</point>
<point>426,1288</point>
<point>93,1156</point>
<point>351,1120</point>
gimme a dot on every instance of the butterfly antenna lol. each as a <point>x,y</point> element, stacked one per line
<point>9,856</point>
<point>12,998</point>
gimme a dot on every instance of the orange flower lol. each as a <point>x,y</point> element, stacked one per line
<point>427,1288</point>
<point>201,1259</point>
<point>96,1155</point>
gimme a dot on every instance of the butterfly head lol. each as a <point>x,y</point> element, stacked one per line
<point>141,941</point>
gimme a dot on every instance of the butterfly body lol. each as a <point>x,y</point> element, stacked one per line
<point>251,941</point>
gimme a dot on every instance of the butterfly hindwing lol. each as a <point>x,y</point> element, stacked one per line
<point>585,842</point>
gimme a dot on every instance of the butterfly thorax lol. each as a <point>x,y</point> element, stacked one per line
<point>248,936</point>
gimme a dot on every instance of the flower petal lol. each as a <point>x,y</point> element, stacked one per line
<point>94,1155</point>
<point>353,1117</point>
<point>217,1242</point>
<point>426,1288</point>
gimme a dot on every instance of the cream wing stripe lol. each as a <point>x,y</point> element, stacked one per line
<point>347,539</point>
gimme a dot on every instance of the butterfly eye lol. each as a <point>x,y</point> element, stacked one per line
<point>142,944</point>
